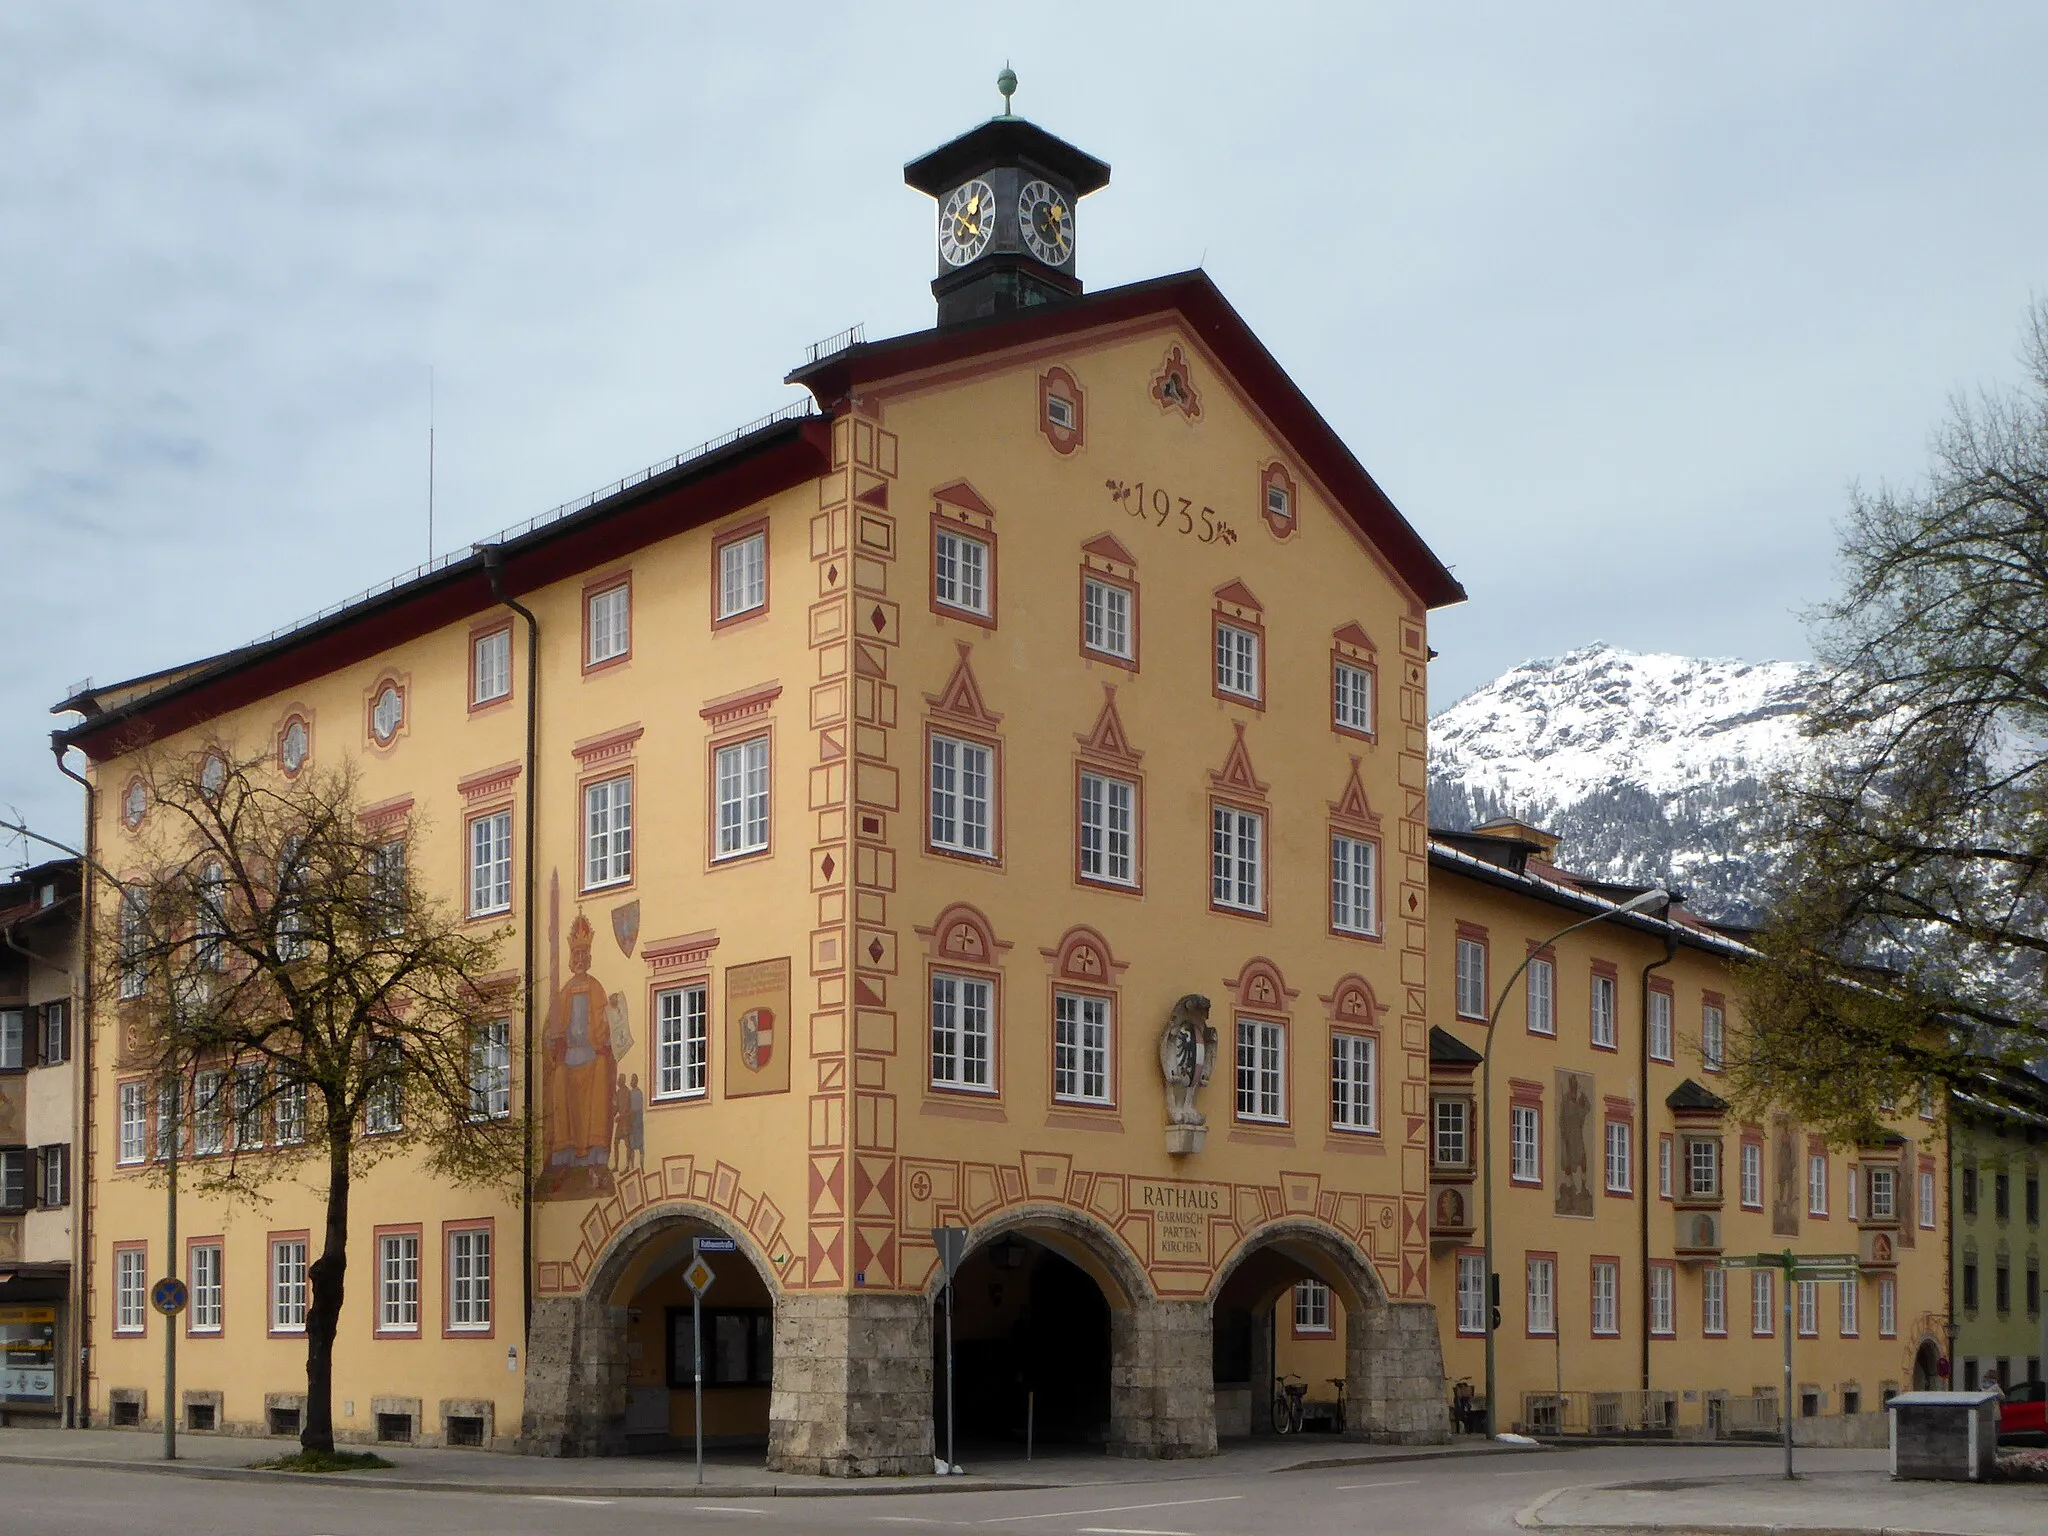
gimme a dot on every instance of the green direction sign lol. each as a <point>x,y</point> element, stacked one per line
<point>1804,1266</point>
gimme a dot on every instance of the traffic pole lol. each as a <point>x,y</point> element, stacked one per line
<point>1791,1265</point>
<point>171,1259</point>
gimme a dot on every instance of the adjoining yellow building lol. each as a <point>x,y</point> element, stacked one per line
<point>1999,1153</point>
<point>907,807</point>
<point>1622,1179</point>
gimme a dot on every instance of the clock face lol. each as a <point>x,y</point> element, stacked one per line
<point>967,222</point>
<point>1047,219</point>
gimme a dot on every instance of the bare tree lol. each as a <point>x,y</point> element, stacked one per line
<point>278,968</point>
<point>1919,844</point>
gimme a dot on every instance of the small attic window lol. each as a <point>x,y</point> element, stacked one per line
<point>1278,503</point>
<point>1062,412</point>
<point>1059,411</point>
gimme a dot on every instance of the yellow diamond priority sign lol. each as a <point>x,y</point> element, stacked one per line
<point>698,1275</point>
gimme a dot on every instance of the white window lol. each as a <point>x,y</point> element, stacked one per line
<point>682,1038</point>
<point>1106,618</point>
<point>1542,985</point>
<point>134,1123</point>
<point>387,883</point>
<point>14,1188</point>
<point>608,832</point>
<point>1660,1026</point>
<point>961,795</point>
<point>1603,1011</point>
<point>742,575</point>
<point>205,1283</point>
<point>491,666</point>
<point>963,1031</point>
<point>398,1283</point>
<point>1261,1051</point>
<point>1059,410</point>
<point>610,624</point>
<point>1713,1035</point>
<point>1817,1184</point>
<point>210,919</point>
<point>1471,1293</point>
<point>1606,1297</point>
<point>1279,505</point>
<point>1620,1169</point>
<point>1762,1302</point>
<point>13,1039</point>
<point>1752,1174</point>
<point>490,1071</point>
<point>291,752</point>
<point>1542,1296</point>
<point>56,1176</point>
<point>1666,1156</point>
<point>1236,865</point>
<point>1849,1300</point>
<point>169,1118</point>
<point>1352,1097</point>
<point>1662,1300</point>
<point>1887,1305</point>
<point>1452,1142</point>
<point>960,572</point>
<point>1311,1307</point>
<point>469,1279</point>
<point>209,1113</point>
<point>1080,1047</point>
<point>1471,990</point>
<point>1852,1186</point>
<point>1882,1184</point>
<point>1525,1143</point>
<point>291,1113</point>
<point>1237,661</point>
<point>490,864</point>
<point>1809,1308</point>
<point>288,1286</point>
<point>130,1285</point>
<point>1713,1301</point>
<point>384,1099</point>
<point>134,941</point>
<point>1108,829</point>
<point>1353,885</point>
<point>742,773</point>
<point>249,1084</point>
<point>1927,1199</point>
<point>1353,704</point>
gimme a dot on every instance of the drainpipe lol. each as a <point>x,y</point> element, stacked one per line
<point>1644,1164</point>
<point>82,1032</point>
<point>494,568</point>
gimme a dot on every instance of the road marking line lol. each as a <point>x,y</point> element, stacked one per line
<point>728,1509</point>
<point>907,1519</point>
<point>563,1498</point>
<point>1532,1472</point>
<point>1399,1482</point>
<point>1126,1530</point>
<point>1113,1509</point>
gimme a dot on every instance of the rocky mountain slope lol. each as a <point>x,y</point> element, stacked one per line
<point>1650,767</point>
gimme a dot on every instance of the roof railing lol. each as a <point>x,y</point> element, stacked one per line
<point>852,336</point>
<point>796,411</point>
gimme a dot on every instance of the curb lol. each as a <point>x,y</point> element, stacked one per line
<point>372,1480</point>
<point>1531,1519</point>
<point>1456,1454</point>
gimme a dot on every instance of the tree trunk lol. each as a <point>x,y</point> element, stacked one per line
<point>323,1304</point>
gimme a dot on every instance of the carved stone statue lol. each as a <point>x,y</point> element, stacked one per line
<point>1187,1058</point>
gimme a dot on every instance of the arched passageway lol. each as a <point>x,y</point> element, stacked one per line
<point>609,1371</point>
<point>1031,1349</point>
<point>1300,1302</point>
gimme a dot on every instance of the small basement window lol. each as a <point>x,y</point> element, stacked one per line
<point>199,1416</point>
<point>394,1428</point>
<point>1852,1400</point>
<point>127,1412</point>
<point>1809,1404</point>
<point>284,1421</point>
<point>465,1429</point>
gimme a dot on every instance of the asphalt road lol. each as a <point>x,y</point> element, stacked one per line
<point>1466,1496</point>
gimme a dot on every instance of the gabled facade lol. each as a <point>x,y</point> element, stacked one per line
<point>913,787</point>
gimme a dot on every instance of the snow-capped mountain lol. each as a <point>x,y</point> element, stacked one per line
<point>1649,767</point>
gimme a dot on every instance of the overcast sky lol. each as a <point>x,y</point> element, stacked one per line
<point>1616,302</point>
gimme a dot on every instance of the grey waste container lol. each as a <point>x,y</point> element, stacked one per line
<point>1944,1436</point>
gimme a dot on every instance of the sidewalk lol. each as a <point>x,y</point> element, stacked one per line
<point>726,1474</point>
<point>1831,1502</point>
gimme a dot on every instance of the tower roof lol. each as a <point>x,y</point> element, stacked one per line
<point>1006,141</point>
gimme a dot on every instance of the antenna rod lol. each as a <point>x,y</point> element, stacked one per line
<point>430,464</point>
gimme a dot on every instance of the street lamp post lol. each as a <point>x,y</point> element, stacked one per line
<point>1637,903</point>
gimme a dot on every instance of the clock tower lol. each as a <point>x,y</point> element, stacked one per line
<point>1006,193</point>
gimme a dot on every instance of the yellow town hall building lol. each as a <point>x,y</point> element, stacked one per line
<point>927,793</point>
<point>994,798</point>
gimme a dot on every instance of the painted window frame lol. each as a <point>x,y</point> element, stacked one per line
<point>287,1291</point>
<point>1713,1033</point>
<point>617,853</point>
<point>1662,1299</point>
<point>1471,1265</point>
<point>202,1289</point>
<point>1603,1007</point>
<point>1470,963</point>
<point>745,845</point>
<point>1100,807</point>
<point>131,1290</point>
<point>1603,1267</point>
<point>479,637</point>
<point>1076,1002</point>
<point>1344,1093</point>
<point>1750,1172</point>
<point>496,865</point>
<point>483,1288</point>
<point>1618,1135</point>
<point>1662,1024</point>
<point>957,1080</point>
<point>1093,581</point>
<point>392,1293</point>
<point>1264,1080</point>
<point>735,537</point>
<point>1543,1325</point>
<point>616,584</point>
<point>1354,842</point>
<point>1313,1318</point>
<point>1714,1302</point>
<point>959,744</point>
<point>978,571</point>
<point>1540,1021</point>
<point>1529,1111</point>
<point>1227,862</point>
<point>692,1042</point>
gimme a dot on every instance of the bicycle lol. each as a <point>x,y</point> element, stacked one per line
<point>1343,1402</point>
<point>1290,1393</point>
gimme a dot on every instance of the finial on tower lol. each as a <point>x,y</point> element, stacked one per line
<point>1006,82</point>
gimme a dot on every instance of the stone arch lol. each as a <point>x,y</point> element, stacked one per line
<point>1082,1239</point>
<point>577,1357</point>
<point>1393,1358</point>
